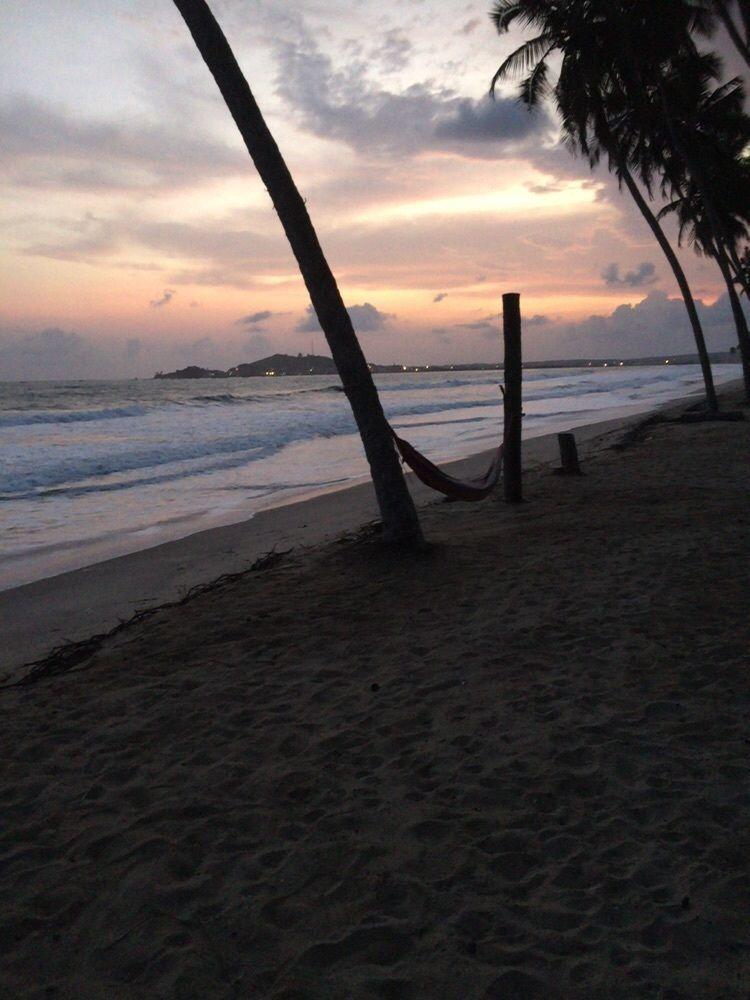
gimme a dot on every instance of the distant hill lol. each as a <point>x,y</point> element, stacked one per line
<point>276,364</point>
<point>315,364</point>
<point>285,364</point>
<point>192,371</point>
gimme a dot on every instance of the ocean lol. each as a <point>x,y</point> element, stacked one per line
<point>90,470</point>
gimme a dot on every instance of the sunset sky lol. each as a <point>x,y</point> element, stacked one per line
<point>137,236</point>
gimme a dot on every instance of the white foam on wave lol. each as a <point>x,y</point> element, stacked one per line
<point>95,460</point>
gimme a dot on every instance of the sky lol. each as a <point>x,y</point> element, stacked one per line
<point>136,235</point>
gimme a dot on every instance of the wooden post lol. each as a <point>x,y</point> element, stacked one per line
<point>568,456</point>
<point>512,399</point>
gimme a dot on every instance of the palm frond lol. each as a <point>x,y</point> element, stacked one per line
<point>506,12</point>
<point>536,85</point>
<point>522,59</point>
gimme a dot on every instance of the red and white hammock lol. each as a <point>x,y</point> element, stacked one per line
<point>436,479</point>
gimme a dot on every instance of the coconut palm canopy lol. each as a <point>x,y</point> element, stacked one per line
<point>634,84</point>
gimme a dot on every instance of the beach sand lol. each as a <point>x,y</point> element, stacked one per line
<point>513,766</point>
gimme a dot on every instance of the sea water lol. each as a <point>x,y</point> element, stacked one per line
<point>94,469</point>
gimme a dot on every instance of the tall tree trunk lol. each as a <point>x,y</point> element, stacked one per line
<point>743,335</point>
<point>711,401</point>
<point>738,271</point>
<point>695,169</point>
<point>400,522</point>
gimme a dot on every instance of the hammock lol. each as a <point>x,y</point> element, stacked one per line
<point>456,489</point>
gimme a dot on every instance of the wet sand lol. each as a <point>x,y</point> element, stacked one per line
<point>514,766</point>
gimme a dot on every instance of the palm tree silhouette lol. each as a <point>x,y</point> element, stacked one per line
<point>592,106</point>
<point>669,86</point>
<point>400,522</point>
<point>696,136</point>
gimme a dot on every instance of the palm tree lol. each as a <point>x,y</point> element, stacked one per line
<point>696,137</point>
<point>743,270</point>
<point>668,86</point>
<point>586,86</point>
<point>731,182</point>
<point>400,522</point>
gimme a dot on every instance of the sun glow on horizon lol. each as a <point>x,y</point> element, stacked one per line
<point>518,200</point>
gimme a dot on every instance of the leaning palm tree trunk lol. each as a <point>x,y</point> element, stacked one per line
<point>743,334</point>
<point>400,522</point>
<point>696,171</point>
<point>738,271</point>
<point>711,401</point>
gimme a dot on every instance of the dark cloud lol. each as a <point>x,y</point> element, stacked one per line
<point>488,327</point>
<point>365,318</point>
<point>169,294</point>
<point>644,274</point>
<point>48,354</point>
<point>343,104</point>
<point>537,321</point>
<point>544,188</point>
<point>394,52</point>
<point>470,26</point>
<point>257,317</point>
<point>493,121</point>
<point>215,250</point>
<point>656,325</point>
<point>54,353</point>
<point>440,296</point>
<point>48,146</point>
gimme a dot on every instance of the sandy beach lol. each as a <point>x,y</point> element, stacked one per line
<point>512,766</point>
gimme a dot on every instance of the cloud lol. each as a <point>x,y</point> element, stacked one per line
<point>213,250</point>
<point>365,318</point>
<point>49,146</point>
<point>544,188</point>
<point>470,26</point>
<point>169,294</point>
<point>537,320</point>
<point>257,317</point>
<point>488,121</point>
<point>344,104</point>
<point>644,274</point>
<point>394,52</point>
<point>440,296</point>
<point>487,327</point>
<point>54,353</point>
<point>441,335</point>
<point>656,325</point>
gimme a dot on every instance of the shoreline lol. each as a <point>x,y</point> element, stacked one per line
<point>73,605</point>
<point>35,556</point>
